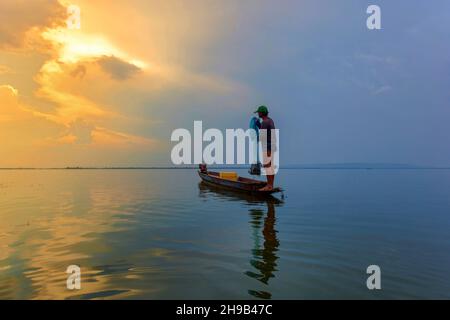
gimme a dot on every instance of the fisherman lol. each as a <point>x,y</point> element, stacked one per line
<point>267,124</point>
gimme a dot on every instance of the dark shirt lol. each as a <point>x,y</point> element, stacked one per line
<point>267,124</point>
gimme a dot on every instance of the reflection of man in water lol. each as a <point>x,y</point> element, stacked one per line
<point>264,258</point>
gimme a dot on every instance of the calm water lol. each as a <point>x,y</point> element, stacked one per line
<point>159,234</point>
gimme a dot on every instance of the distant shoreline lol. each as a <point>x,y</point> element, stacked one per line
<point>337,167</point>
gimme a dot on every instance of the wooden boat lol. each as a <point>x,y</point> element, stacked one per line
<point>207,189</point>
<point>242,184</point>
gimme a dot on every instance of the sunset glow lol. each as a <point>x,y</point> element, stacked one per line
<point>74,46</point>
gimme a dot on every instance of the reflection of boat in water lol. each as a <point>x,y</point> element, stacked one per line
<point>240,184</point>
<point>206,188</point>
<point>264,235</point>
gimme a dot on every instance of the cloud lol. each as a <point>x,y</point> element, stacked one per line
<point>80,116</point>
<point>8,106</point>
<point>18,19</point>
<point>5,70</point>
<point>82,132</point>
<point>106,137</point>
<point>79,71</point>
<point>70,106</point>
<point>8,90</point>
<point>92,89</point>
<point>12,110</point>
<point>19,123</point>
<point>371,58</point>
<point>32,138</point>
<point>382,89</point>
<point>117,68</point>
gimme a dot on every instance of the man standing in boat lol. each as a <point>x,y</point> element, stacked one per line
<point>266,125</point>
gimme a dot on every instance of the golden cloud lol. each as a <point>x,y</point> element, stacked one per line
<point>21,21</point>
<point>31,138</point>
<point>5,70</point>
<point>19,124</point>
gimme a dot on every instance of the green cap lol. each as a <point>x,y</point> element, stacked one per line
<point>262,109</point>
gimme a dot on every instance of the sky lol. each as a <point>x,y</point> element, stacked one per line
<point>112,92</point>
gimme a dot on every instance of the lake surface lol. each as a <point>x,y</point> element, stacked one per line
<point>159,234</point>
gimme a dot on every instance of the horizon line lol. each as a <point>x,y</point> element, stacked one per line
<point>336,166</point>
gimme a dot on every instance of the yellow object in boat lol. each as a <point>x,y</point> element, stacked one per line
<point>228,175</point>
